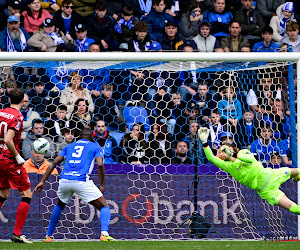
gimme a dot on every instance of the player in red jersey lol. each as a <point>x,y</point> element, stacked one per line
<point>12,173</point>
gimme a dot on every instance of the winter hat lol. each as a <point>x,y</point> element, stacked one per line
<point>288,6</point>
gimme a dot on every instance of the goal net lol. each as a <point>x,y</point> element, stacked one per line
<point>154,184</point>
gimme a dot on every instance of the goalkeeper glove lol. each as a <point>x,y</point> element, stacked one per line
<point>227,150</point>
<point>203,134</point>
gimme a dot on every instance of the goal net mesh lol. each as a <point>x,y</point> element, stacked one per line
<point>152,188</point>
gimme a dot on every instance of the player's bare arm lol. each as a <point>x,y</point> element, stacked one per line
<point>101,173</point>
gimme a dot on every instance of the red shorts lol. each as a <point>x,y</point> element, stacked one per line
<point>13,175</point>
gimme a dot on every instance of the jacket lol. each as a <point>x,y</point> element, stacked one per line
<point>250,22</point>
<point>157,22</point>
<point>109,146</point>
<point>84,7</point>
<point>106,109</point>
<point>31,168</point>
<point>296,46</point>
<point>268,7</point>
<point>205,44</point>
<point>275,23</point>
<point>219,22</point>
<point>226,42</point>
<point>31,25</point>
<point>100,30</point>
<point>29,116</point>
<point>59,22</point>
<point>68,97</point>
<point>46,5</point>
<point>187,28</point>
<point>136,45</point>
<point>39,38</point>
<point>3,37</point>
<point>176,44</point>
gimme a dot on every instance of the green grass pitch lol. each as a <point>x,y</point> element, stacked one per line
<point>132,245</point>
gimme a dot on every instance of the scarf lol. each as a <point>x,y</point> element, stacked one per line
<point>145,6</point>
<point>175,6</point>
<point>214,135</point>
<point>282,25</point>
<point>57,39</point>
<point>80,44</point>
<point>137,48</point>
<point>10,47</point>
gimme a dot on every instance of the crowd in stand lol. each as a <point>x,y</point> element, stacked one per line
<point>176,104</point>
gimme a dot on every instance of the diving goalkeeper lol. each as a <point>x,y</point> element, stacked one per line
<point>243,166</point>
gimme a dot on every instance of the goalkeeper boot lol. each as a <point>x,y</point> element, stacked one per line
<point>48,238</point>
<point>19,239</point>
<point>106,238</point>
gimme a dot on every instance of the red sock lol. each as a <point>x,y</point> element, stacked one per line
<point>21,217</point>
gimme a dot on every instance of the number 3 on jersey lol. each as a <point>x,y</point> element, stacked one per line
<point>78,151</point>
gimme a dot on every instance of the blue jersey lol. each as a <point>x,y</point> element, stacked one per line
<point>263,151</point>
<point>80,159</point>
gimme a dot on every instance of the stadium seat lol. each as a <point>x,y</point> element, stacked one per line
<point>135,114</point>
<point>117,136</point>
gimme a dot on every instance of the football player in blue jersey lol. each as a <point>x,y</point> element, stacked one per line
<point>80,158</point>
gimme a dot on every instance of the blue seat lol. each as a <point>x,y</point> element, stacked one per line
<point>118,136</point>
<point>135,114</point>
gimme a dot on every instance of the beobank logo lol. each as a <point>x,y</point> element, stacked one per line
<point>174,208</point>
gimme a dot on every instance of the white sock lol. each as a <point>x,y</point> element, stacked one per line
<point>104,233</point>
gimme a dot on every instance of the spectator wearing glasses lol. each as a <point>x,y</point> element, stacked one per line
<point>67,18</point>
<point>37,131</point>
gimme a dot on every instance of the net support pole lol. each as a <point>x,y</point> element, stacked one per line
<point>298,133</point>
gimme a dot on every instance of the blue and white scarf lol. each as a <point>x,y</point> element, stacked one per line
<point>80,44</point>
<point>10,47</point>
<point>283,21</point>
<point>146,7</point>
<point>137,46</point>
<point>57,39</point>
<point>175,6</point>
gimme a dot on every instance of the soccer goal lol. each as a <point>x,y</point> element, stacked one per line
<point>155,200</point>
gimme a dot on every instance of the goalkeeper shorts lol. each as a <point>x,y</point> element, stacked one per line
<point>86,190</point>
<point>274,178</point>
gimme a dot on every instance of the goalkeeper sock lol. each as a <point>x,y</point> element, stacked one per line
<point>295,209</point>
<point>55,216</point>
<point>104,218</point>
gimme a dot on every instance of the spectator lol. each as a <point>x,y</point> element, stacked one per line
<point>13,38</point>
<point>160,150</point>
<point>284,14</point>
<point>83,43</point>
<point>195,145</point>
<point>106,109</point>
<point>251,20</point>
<point>157,19</point>
<point>106,142</point>
<point>41,100</point>
<point>66,138</point>
<point>268,8</point>
<point>37,131</point>
<point>230,108</point>
<point>205,100</point>
<point>245,48</point>
<point>190,21</point>
<point>141,40</point>
<point>13,8</point>
<point>80,117</point>
<point>37,164</point>
<point>57,122</point>
<point>133,146</point>
<point>182,154</point>
<point>204,40</point>
<point>275,159</point>
<point>227,137</point>
<point>114,7</point>
<point>34,16</point>
<point>29,116</point>
<point>234,41</point>
<point>246,130</point>
<point>67,18</point>
<point>177,106</point>
<point>50,5</point>
<point>261,100</point>
<point>49,40</point>
<point>264,145</point>
<point>292,39</point>
<point>216,129</point>
<point>94,47</point>
<point>124,28</point>
<point>219,19</point>
<point>266,45</point>
<point>100,27</point>
<point>171,39</point>
<point>285,146</point>
<point>75,91</point>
